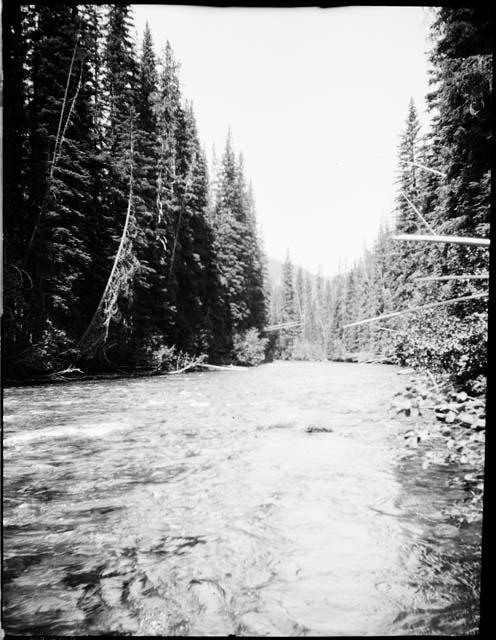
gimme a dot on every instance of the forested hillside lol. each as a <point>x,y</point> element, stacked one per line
<point>122,253</point>
<point>118,253</point>
<point>443,187</point>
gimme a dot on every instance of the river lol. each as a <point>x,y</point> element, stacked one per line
<point>198,504</point>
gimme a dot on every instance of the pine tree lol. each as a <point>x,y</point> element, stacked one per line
<point>321,314</point>
<point>61,141</point>
<point>255,279</point>
<point>17,23</point>
<point>351,334</point>
<point>339,315</point>
<point>149,280</point>
<point>310,333</point>
<point>169,110</point>
<point>461,104</point>
<point>288,311</point>
<point>406,256</point>
<point>91,36</point>
<point>110,327</point>
<point>230,227</point>
<point>328,305</point>
<point>196,273</point>
<point>300,299</point>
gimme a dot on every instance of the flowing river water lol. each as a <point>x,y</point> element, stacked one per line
<point>198,504</point>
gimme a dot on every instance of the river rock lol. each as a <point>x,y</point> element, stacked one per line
<point>317,429</point>
<point>257,624</point>
<point>450,417</point>
<point>446,531</point>
<point>466,419</point>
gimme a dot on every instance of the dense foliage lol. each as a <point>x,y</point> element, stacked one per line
<point>118,254</point>
<point>453,199</point>
<point>121,253</point>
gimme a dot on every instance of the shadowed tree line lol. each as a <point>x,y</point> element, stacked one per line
<point>118,254</point>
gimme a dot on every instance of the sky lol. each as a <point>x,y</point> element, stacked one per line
<point>316,100</point>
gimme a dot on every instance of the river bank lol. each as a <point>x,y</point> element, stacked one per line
<point>438,412</point>
<point>72,374</point>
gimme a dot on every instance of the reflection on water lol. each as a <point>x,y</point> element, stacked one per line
<point>199,505</point>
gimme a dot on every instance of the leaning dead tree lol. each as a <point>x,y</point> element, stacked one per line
<point>481,242</point>
<point>422,166</point>
<point>431,305</point>
<point>482,276</point>
<point>283,325</point>
<point>59,140</point>
<point>123,269</point>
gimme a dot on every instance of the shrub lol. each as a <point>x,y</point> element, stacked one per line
<point>444,343</point>
<point>249,348</point>
<point>305,350</point>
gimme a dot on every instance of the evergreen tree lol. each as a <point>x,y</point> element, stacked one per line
<point>111,328</point>
<point>288,310</point>
<point>300,301</point>
<point>198,305</point>
<point>169,217</point>
<point>17,24</point>
<point>339,315</point>
<point>351,334</point>
<point>405,257</point>
<point>230,227</point>
<point>56,254</point>
<point>149,284</point>
<point>255,292</point>
<point>461,105</point>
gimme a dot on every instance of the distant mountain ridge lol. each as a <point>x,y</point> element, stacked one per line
<point>275,271</point>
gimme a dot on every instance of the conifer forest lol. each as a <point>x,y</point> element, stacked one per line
<point>124,251</point>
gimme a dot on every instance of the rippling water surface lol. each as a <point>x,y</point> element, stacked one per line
<point>198,504</point>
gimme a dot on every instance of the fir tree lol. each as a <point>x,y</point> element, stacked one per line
<point>288,310</point>
<point>230,228</point>
<point>17,23</point>
<point>461,105</point>
<point>117,225</point>
<point>255,259</point>
<point>406,256</point>
<point>61,138</point>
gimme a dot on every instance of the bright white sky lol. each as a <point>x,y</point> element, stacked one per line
<point>316,100</point>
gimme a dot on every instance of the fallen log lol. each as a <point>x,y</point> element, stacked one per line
<point>191,365</point>
<point>229,367</point>
<point>431,305</point>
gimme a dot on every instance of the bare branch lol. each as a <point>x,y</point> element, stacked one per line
<point>69,117</point>
<point>418,213</point>
<point>283,325</point>
<point>417,164</point>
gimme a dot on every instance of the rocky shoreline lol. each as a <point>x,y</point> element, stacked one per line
<point>447,427</point>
